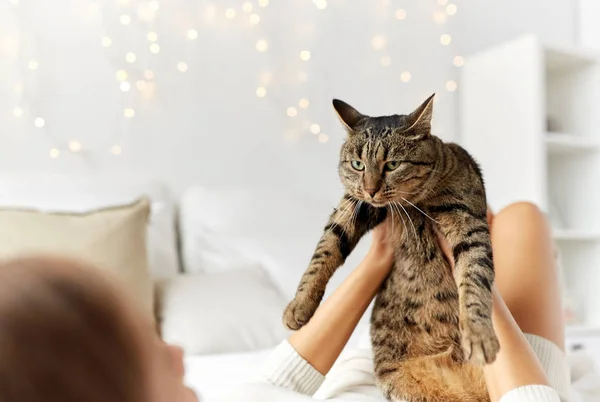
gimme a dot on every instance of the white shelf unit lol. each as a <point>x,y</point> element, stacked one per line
<point>530,114</point>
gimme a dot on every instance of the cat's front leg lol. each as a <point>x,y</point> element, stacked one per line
<point>346,225</point>
<point>466,229</point>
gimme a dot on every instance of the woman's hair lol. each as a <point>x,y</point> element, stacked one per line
<point>64,336</point>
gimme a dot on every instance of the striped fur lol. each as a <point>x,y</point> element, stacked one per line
<point>431,328</point>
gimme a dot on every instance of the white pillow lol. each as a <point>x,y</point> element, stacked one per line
<point>234,311</point>
<point>217,225</point>
<point>79,194</point>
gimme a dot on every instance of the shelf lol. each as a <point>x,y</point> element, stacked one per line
<point>560,143</point>
<point>575,235</point>
<point>558,59</point>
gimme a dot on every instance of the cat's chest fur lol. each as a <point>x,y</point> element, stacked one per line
<point>419,298</point>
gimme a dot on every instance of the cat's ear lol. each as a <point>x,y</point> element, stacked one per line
<point>419,121</point>
<point>348,115</point>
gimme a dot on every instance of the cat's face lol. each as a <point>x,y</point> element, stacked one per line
<point>387,159</point>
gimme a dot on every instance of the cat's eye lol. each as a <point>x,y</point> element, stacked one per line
<point>392,165</point>
<point>358,165</point>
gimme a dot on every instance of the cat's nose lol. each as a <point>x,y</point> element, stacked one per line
<point>371,191</point>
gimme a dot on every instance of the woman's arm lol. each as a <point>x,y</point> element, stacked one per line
<point>323,338</point>
<point>516,364</point>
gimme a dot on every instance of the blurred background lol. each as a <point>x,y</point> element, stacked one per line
<point>220,112</point>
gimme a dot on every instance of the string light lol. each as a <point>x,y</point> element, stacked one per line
<point>192,34</point>
<point>154,6</point>
<point>451,86</point>
<point>125,19</point>
<point>439,17</point>
<point>54,153</point>
<point>18,89</point>
<point>323,138</point>
<point>378,42</point>
<point>14,2</point>
<point>247,7</point>
<point>262,45</point>
<point>154,48</point>
<point>321,4</point>
<point>74,146</point>
<point>121,75</point>
<point>33,64</point>
<point>451,9</point>
<point>261,92</point>
<point>230,13</point>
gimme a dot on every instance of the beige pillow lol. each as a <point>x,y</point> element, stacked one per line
<point>113,239</point>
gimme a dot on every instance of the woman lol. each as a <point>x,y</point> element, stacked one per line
<point>68,336</point>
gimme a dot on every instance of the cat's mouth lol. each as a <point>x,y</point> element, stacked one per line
<point>378,203</point>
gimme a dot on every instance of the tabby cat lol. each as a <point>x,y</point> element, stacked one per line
<point>428,323</point>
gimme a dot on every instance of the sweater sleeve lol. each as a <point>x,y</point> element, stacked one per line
<point>531,393</point>
<point>555,364</point>
<point>287,369</point>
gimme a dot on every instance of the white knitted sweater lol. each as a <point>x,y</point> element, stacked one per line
<point>287,377</point>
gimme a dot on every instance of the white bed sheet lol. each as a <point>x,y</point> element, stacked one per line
<point>211,376</point>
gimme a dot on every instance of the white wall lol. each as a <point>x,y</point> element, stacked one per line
<point>207,125</point>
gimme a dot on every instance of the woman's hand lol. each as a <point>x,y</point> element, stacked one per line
<point>381,253</point>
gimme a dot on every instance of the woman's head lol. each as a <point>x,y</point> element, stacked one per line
<point>69,334</point>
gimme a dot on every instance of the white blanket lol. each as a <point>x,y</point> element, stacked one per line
<point>216,375</point>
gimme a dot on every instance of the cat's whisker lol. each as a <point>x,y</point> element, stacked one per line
<point>393,204</point>
<point>419,209</point>
<point>411,223</point>
<point>392,212</point>
<point>354,216</point>
<point>344,207</point>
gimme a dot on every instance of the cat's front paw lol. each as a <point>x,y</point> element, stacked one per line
<point>298,312</point>
<point>479,342</point>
